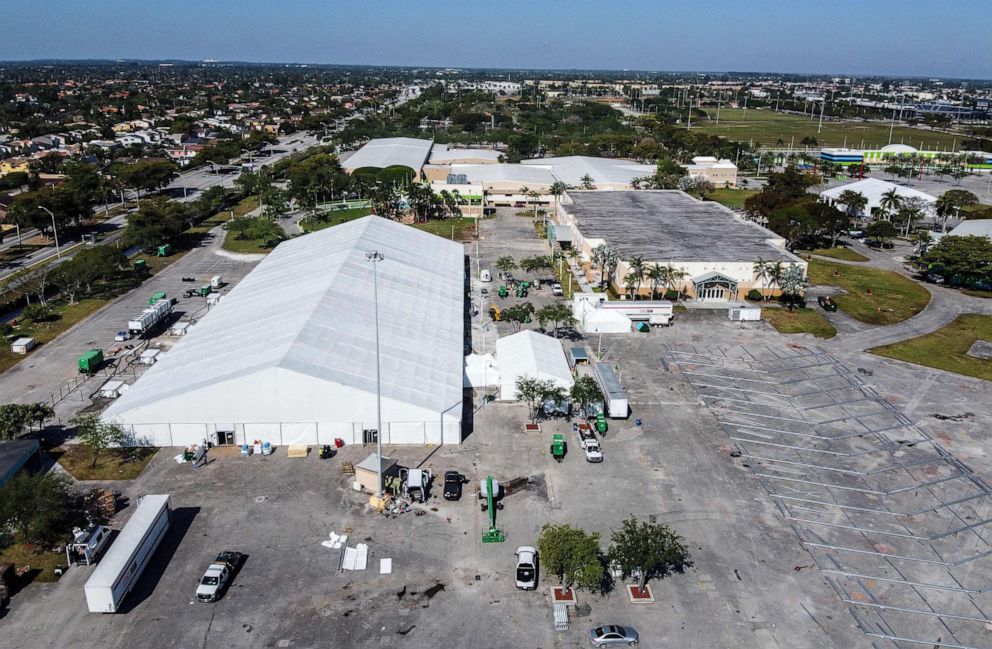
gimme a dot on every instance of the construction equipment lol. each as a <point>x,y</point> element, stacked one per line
<point>164,250</point>
<point>503,292</point>
<point>495,313</point>
<point>205,290</point>
<point>558,447</point>
<point>493,534</point>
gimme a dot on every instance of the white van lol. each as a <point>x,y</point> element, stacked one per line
<point>485,275</point>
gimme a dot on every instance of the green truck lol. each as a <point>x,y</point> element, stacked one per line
<point>90,362</point>
<point>156,297</point>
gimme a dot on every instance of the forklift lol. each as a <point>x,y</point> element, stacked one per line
<point>490,491</point>
<point>495,313</point>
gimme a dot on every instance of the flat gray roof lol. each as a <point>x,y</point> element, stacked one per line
<point>664,226</point>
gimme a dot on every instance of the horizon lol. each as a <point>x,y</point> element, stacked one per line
<point>919,40</point>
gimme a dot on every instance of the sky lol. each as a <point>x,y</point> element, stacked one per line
<point>925,38</point>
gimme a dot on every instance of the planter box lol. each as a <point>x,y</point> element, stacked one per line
<point>638,596</point>
<point>561,596</point>
<point>532,428</point>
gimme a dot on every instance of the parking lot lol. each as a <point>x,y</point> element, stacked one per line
<point>701,460</point>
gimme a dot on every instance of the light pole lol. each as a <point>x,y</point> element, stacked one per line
<point>55,233</point>
<point>374,256</point>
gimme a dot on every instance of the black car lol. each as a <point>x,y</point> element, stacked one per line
<point>453,485</point>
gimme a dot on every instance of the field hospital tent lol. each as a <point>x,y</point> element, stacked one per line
<point>481,371</point>
<point>288,356</point>
<point>592,319</point>
<point>528,353</point>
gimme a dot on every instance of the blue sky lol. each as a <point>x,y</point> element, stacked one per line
<point>912,37</point>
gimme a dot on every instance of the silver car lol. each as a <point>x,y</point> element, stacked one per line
<point>613,635</point>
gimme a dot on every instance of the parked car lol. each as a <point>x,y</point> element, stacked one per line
<point>613,635</point>
<point>526,567</point>
<point>556,290</point>
<point>218,576</point>
<point>453,482</point>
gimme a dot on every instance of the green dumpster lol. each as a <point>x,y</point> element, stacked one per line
<point>140,267</point>
<point>600,423</point>
<point>89,362</point>
<point>502,290</point>
<point>156,297</point>
<point>558,447</point>
<point>205,290</point>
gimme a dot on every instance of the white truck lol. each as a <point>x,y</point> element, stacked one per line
<point>590,444</point>
<point>216,281</point>
<point>526,577</point>
<point>416,483</point>
<point>218,576</point>
<point>124,562</point>
<point>87,544</point>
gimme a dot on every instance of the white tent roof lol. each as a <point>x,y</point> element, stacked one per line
<point>528,353</point>
<point>505,173</point>
<point>973,227</point>
<point>873,188</point>
<point>571,169</point>
<point>441,154</point>
<point>302,323</point>
<point>481,371</point>
<point>385,152</point>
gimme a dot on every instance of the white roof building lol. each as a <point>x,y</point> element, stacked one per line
<point>873,189</point>
<point>606,173</point>
<point>385,152</point>
<point>505,174</point>
<point>289,355</point>
<point>442,154</point>
<point>528,353</point>
<point>973,228</point>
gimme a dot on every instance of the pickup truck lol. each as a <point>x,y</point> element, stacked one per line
<point>589,444</point>
<point>218,576</point>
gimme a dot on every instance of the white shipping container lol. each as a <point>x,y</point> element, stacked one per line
<point>22,345</point>
<point>149,356</point>
<point>745,313</point>
<point>124,562</point>
<point>216,281</point>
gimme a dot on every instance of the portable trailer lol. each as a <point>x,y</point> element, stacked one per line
<point>614,396</point>
<point>130,553</point>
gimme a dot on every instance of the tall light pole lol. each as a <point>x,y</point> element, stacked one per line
<point>374,256</point>
<point>55,232</point>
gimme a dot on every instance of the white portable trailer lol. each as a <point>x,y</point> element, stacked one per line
<point>614,396</point>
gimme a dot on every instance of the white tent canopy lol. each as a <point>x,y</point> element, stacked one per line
<point>289,355</point>
<point>528,353</point>
<point>481,371</point>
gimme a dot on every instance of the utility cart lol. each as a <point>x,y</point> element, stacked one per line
<point>558,447</point>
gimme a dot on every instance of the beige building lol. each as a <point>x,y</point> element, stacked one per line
<point>721,173</point>
<point>715,248</point>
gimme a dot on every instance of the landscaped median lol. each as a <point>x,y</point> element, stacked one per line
<point>799,321</point>
<point>879,297</point>
<point>947,348</point>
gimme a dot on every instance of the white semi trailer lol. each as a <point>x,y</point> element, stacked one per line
<point>130,553</point>
<point>614,396</point>
<point>149,317</point>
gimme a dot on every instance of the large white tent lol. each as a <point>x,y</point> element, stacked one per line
<point>288,356</point>
<point>528,353</point>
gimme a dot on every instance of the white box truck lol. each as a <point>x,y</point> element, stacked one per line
<point>122,565</point>
<point>216,281</point>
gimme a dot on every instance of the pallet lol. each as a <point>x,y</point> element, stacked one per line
<point>347,468</point>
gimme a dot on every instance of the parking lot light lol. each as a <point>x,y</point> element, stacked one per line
<point>374,256</point>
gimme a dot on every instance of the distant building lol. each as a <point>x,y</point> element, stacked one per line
<point>721,173</point>
<point>842,156</point>
<point>873,190</point>
<point>381,153</point>
<point>973,228</point>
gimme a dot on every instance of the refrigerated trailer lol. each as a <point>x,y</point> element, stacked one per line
<point>149,317</point>
<point>614,396</point>
<point>122,565</point>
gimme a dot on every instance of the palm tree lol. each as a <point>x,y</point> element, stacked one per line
<point>945,206</point>
<point>587,182</point>
<point>636,265</point>
<point>630,282</point>
<point>776,271</point>
<point>890,202</point>
<point>674,278</point>
<point>761,273</point>
<point>606,258</point>
<point>854,202</point>
<point>534,196</point>
<point>657,275</point>
<point>557,189</point>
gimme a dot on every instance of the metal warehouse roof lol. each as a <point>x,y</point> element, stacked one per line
<point>307,310</point>
<point>391,151</point>
<point>973,227</point>
<point>671,226</point>
<point>571,169</point>
<point>441,154</point>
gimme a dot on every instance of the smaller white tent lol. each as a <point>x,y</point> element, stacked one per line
<point>528,353</point>
<point>594,320</point>
<point>481,371</point>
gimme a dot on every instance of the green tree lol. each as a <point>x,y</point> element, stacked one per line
<point>14,420</point>
<point>572,555</point>
<point>793,284</point>
<point>647,549</point>
<point>559,314</point>
<point>890,202</point>
<point>505,264</point>
<point>97,435</point>
<point>950,202</point>
<point>854,202</point>
<point>528,390</point>
<point>881,231</point>
<point>587,182</point>
<point>961,260</point>
<point>519,314</point>
<point>535,264</point>
<point>146,175</point>
<point>585,391</point>
<point>37,506</point>
<point>158,221</point>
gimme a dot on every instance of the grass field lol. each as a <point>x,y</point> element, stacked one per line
<point>333,218</point>
<point>45,332</point>
<point>946,348</point>
<point>799,321</point>
<point>111,464</point>
<point>732,198</point>
<point>767,127</point>
<point>893,297</point>
<point>42,562</point>
<point>454,229</point>
<point>845,254</point>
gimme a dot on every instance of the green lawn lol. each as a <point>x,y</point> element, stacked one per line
<point>946,348</point>
<point>250,246</point>
<point>335,217</point>
<point>45,332</point>
<point>456,229</point>
<point>767,127</point>
<point>112,463</point>
<point>799,321</point>
<point>732,198</point>
<point>42,562</point>
<point>840,252</point>
<point>893,298</point>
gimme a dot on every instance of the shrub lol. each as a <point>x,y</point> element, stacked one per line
<point>754,295</point>
<point>38,313</point>
<point>672,295</point>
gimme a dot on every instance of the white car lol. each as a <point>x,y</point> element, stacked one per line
<point>526,567</point>
<point>557,290</point>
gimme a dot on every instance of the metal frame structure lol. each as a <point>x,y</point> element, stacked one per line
<point>900,528</point>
